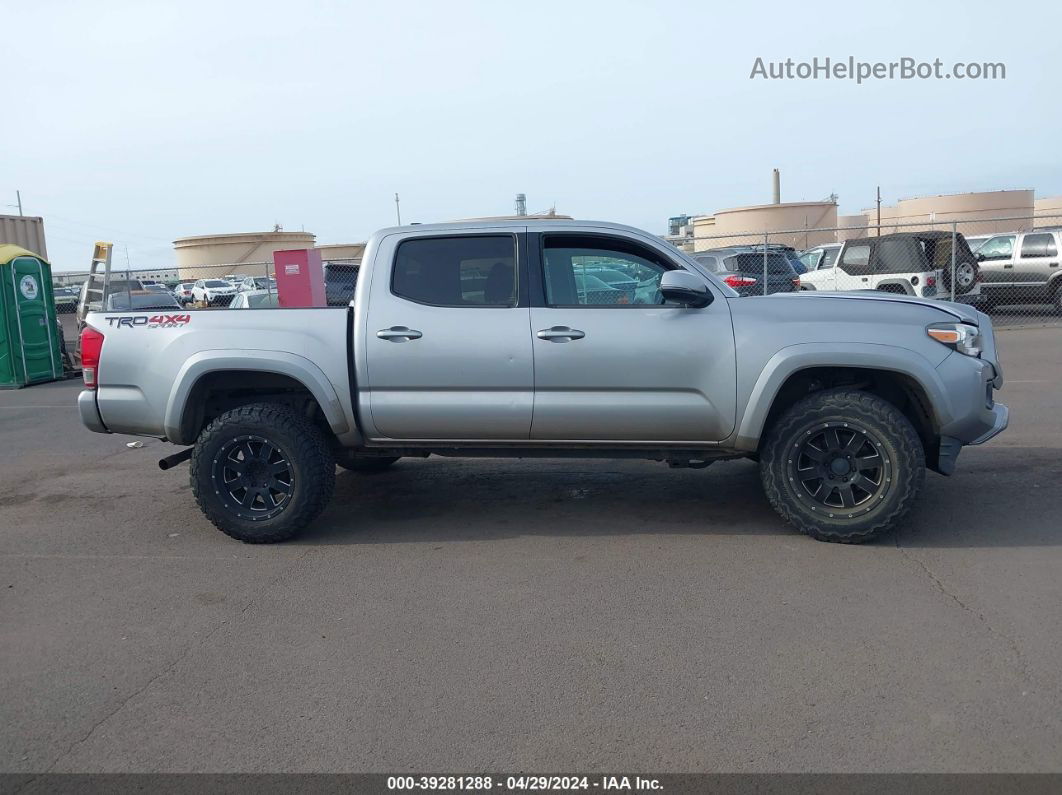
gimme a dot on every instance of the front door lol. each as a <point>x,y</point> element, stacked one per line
<point>853,270</point>
<point>447,340</point>
<point>612,361</point>
<point>997,260</point>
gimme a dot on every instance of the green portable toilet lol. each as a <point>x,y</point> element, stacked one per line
<point>29,336</point>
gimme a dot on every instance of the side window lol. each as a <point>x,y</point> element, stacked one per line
<point>600,271</point>
<point>473,270</point>
<point>999,247</point>
<point>829,258</point>
<point>1041,245</point>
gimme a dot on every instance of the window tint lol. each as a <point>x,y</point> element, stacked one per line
<point>457,271</point>
<point>1042,245</point>
<point>904,255</point>
<point>856,255</point>
<point>777,264</point>
<point>829,258</point>
<point>708,261</point>
<point>596,271</point>
<point>999,247</point>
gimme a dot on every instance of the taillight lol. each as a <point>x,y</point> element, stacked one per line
<point>739,281</point>
<point>931,281</point>
<point>91,345</point>
<point>796,281</point>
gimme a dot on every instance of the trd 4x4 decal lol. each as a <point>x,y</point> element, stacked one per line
<point>152,321</point>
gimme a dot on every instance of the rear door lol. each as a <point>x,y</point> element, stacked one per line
<point>609,367</point>
<point>447,341</point>
<point>1037,259</point>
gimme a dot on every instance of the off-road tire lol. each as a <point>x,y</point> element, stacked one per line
<point>365,463</point>
<point>849,411</point>
<point>303,446</point>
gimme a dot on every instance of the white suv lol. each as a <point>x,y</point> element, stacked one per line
<point>215,292</point>
<point>911,263</point>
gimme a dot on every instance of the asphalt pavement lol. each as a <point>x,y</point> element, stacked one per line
<point>483,615</point>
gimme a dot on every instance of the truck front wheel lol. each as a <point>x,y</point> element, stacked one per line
<point>842,465</point>
<point>262,472</point>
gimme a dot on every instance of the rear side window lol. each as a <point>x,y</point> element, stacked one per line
<point>777,264</point>
<point>905,255</point>
<point>473,270</point>
<point>829,258</point>
<point>1041,245</point>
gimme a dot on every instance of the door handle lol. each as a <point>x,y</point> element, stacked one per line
<point>866,279</point>
<point>1009,265</point>
<point>398,334</point>
<point>560,334</point>
<point>1052,264</point>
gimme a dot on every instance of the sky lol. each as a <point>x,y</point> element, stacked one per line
<point>141,122</point>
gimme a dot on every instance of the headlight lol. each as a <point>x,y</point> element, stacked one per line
<point>959,336</point>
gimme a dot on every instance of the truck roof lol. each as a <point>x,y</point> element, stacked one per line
<point>531,222</point>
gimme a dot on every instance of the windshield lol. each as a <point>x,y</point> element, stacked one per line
<point>216,283</point>
<point>262,301</point>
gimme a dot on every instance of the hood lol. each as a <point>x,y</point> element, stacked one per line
<point>962,312</point>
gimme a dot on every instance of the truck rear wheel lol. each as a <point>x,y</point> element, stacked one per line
<point>842,465</point>
<point>262,472</point>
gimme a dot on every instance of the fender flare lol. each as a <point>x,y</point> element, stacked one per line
<point>292,365</point>
<point>904,283</point>
<point>866,356</point>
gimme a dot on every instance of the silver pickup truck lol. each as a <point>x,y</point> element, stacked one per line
<point>552,339</point>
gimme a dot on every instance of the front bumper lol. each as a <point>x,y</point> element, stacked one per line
<point>90,412</point>
<point>1002,418</point>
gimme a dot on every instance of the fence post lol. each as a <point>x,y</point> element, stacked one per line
<point>954,232</point>
<point>765,263</point>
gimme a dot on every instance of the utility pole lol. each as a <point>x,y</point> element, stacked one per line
<point>398,211</point>
<point>879,210</point>
<point>18,197</point>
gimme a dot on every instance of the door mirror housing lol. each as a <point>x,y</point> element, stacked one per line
<point>980,257</point>
<point>685,288</point>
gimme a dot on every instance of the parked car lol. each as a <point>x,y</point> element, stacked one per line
<point>844,400</point>
<point>976,241</point>
<point>340,280</point>
<point>183,292</point>
<point>65,299</point>
<point>1023,267</point>
<point>908,263</point>
<point>141,300</point>
<point>96,290</point>
<point>214,292</point>
<point>256,283</point>
<point>742,268</point>
<point>255,299</point>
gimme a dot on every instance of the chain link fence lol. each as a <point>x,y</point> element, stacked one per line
<point>248,285</point>
<point>1010,267</point>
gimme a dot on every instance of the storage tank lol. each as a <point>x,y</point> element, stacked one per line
<point>801,222</point>
<point>974,211</point>
<point>242,253</point>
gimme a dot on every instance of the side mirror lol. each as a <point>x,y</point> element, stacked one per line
<point>980,257</point>
<point>685,288</point>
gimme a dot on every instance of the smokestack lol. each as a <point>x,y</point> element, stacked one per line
<point>777,180</point>
<point>521,204</point>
